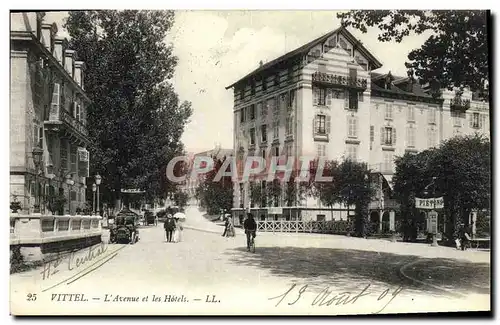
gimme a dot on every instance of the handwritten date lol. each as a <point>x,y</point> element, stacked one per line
<point>327,298</point>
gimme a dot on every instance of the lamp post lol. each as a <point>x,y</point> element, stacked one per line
<point>37,160</point>
<point>94,188</point>
<point>98,182</point>
<point>70,183</point>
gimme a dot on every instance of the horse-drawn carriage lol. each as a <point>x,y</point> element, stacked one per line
<point>125,228</point>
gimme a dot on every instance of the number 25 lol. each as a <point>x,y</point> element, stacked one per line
<point>31,297</point>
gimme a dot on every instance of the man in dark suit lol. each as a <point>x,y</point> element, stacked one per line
<point>169,226</point>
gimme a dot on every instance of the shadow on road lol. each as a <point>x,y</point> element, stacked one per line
<point>351,269</point>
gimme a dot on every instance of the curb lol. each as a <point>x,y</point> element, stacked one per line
<point>402,272</point>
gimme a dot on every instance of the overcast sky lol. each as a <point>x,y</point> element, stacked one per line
<point>216,48</point>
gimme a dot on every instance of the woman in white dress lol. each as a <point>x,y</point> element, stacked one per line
<point>178,231</point>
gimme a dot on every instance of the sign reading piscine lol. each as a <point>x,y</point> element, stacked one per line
<point>132,191</point>
<point>431,203</point>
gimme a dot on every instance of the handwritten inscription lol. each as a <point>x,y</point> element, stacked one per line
<point>73,261</point>
<point>328,297</point>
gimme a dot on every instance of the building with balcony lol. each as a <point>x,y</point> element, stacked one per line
<point>47,111</point>
<point>324,99</point>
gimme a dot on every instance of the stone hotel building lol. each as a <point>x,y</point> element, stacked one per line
<point>48,112</point>
<point>325,99</point>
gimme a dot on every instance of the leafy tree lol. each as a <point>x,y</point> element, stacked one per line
<point>355,189</point>
<point>180,199</point>
<point>454,55</point>
<point>215,194</point>
<point>329,192</point>
<point>256,194</point>
<point>274,192</point>
<point>136,119</point>
<point>462,171</point>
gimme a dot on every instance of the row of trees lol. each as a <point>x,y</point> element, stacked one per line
<point>136,119</point>
<point>460,170</point>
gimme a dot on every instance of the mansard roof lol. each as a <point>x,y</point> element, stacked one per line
<point>307,47</point>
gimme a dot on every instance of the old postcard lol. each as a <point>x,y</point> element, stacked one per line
<point>249,162</point>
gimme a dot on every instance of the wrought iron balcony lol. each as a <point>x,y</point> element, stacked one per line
<point>60,120</point>
<point>458,103</point>
<point>340,81</point>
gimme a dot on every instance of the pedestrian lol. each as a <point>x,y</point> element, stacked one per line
<point>226,224</point>
<point>177,231</point>
<point>169,228</point>
<point>464,237</point>
<point>230,227</point>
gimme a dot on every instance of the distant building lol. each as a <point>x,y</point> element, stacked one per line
<point>48,111</point>
<point>192,183</point>
<point>323,100</point>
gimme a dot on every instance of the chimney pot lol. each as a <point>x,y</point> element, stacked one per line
<point>69,56</point>
<point>58,49</point>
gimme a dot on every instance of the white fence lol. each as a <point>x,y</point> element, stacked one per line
<point>37,229</point>
<point>340,227</point>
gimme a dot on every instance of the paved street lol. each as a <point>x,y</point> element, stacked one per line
<point>204,264</point>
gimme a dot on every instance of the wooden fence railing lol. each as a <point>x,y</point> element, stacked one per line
<point>340,227</point>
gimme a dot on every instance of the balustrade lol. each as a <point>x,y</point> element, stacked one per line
<point>38,229</point>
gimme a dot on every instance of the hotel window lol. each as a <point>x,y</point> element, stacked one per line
<point>475,120</point>
<point>276,151</point>
<point>264,83</point>
<point>277,79</point>
<point>431,137</point>
<point>276,129</point>
<point>352,127</point>
<point>411,113</point>
<point>388,111</point>
<point>252,85</point>
<point>289,148</point>
<point>352,152</point>
<point>242,115</point>
<point>252,112</point>
<point>388,136</point>
<point>432,115</point>
<point>388,160</point>
<point>321,150</point>
<point>410,136</point>
<point>320,126</point>
<point>372,135</point>
<point>252,136</point>
<point>263,132</point>
<point>37,135</point>
<point>264,154</point>
<point>351,100</point>
<point>283,101</point>
<point>271,105</point>
<point>289,125</point>
<point>292,99</point>
<point>290,74</point>
<point>242,93</point>
<point>264,108</point>
<point>72,156</point>
<point>319,96</point>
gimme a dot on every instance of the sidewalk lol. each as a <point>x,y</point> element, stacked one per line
<point>196,221</point>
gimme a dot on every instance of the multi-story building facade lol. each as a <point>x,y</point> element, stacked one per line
<point>48,112</point>
<point>324,100</point>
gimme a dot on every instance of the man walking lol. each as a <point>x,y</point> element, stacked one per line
<point>169,228</point>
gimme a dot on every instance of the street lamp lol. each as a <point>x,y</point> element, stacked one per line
<point>94,188</point>
<point>98,182</point>
<point>37,160</point>
<point>70,183</point>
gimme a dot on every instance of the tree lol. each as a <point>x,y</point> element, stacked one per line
<point>180,199</point>
<point>215,194</point>
<point>455,55</point>
<point>136,120</point>
<point>355,189</point>
<point>462,171</point>
<point>329,192</point>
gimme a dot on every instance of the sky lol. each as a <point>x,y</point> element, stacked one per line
<point>216,48</point>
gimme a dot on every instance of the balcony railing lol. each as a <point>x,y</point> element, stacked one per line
<point>459,104</point>
<point>60,117</point>
<point>340,81</point>
<point>74,123</point>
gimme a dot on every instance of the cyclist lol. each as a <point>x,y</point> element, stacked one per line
<point>250,227</point>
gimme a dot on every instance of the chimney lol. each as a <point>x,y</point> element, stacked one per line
<point>79,67</point>
<point>69,56</point>
<point>59,44</point>
<point>47,35</point>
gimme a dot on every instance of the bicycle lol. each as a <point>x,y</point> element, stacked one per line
<point>252,244</point>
